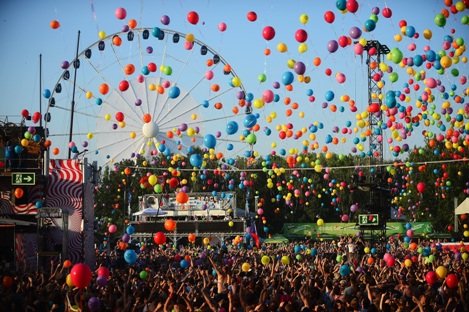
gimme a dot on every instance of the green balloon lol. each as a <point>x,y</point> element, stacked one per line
<point>251,138</point>
<point>339,258</point>
<point>158,188</point>
<point>460,41</point>
<point>168,70</point>
<point>393,77</point>
<point>374,18</point>
<point>465,20</point>
<point>440,20</point>
<point>262,78</point>
<point>396,55</point>
<point>455,72</point>
<point>143,274</point>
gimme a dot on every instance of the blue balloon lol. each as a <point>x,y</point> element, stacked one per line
<point>232,127</point>
<point>430,55</point>
<point>46,93</point>
<point>370,25</point>
<point>145,70</point>
<point>229,146</point>
<point>344,270</point>
<point>174,92</point>
<point>205,103</point>
<point>130,230</point>
<point>210,141</point>
<point>99,101</point>
<point>287,78</point>
<point>196,160</point>
<point>184,264</point>
<point>341,5</point>
<point>250,120</point>
<point>130,256</point>
<point>314,252</point>
<point>408,226</point>
<point>329,95</point>
<point>410,31</point>
<point>297,249</point>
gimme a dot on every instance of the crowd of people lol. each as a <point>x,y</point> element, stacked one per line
<point>341,275</point>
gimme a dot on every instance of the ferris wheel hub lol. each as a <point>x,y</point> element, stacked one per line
<point>150,130</point>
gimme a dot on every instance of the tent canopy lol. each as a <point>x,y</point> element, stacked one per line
<point>463,208</point>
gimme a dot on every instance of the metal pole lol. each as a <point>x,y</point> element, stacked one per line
<point>40,88</point>
<point>73,96</point>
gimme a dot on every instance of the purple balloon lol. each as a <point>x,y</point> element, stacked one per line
<point>138,102</point>
<point>183,127</point>
<point>299,68</point>
<point>375,10</point>
<point>355,32</point>
<point>93,303</point>
<point>149,50</point>
<point>101,281</point>
<point>332,46</point>
<point>276,85</point>
<point>165,20</point>
<point>125,238</point>
<point>65,64</point>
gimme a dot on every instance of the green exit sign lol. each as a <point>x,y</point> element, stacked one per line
<point>23,178</point>
<point>368,219</point>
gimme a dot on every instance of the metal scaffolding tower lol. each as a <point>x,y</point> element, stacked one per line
<point>376,179</point>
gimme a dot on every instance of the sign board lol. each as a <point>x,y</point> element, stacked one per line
<point>368,219</point>
<point>23,178</point>
<point>49,212</point>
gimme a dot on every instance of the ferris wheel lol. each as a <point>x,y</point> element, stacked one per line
<point>144,91</point>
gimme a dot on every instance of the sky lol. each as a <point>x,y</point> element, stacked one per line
<point>27,34</point>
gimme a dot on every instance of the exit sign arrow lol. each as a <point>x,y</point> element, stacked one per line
<point>23,178</point>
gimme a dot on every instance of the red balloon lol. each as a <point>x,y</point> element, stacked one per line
<point>25,113</point>
<point>123,85</point>
<point>81,275</point>
<point>343,41</point>
<point>301,35</point>
<point>387,13</point>
<point>328,71</point>
<point>103,271</point>
<point>402,23</point>
<point>452,281</point>
<point>373,108</point>
<point>159,238</point>
<point>329,17</point>
<point>431,277</point>
<point>119,116</point>
<point>252,16</point>
<point>173,182</point>
<point>421,187</point>
<point>7,281</point>
<point>193,17</point>
<point>352,6</point>
<point>268,33</point>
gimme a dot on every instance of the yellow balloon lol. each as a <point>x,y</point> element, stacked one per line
<point>133,135</point>
<point>445,61</point>
<point>245,267</point>
<point>397,37</point>
<point>427,33</point>
<point>236,81</point>
<point>304,18</point>
<point>190,37</point>
<point>282,47</point>
<point>107,117</point>
<point>320,222</point>
<point>102,34</point>
<point>89,95</point>
<point>69,281</point>
<point>90,135</point>
<point>302,47</point>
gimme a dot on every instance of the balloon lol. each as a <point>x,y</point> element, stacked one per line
<point>421,187</point>
<point>299,68</point>
<point>130,256</point>
<point>191,238</point>
<point>452,281</point>
<point>396,55</point>
<point>221,27</point>
<point>355,32</point>
<point>252,16</point>
<point>431,277</point>
<point>441,272</point>
<point>19,192</point>
<point>268,33</point>
<point>245,267</point>
<point>93,303</point>
<point>332,46</point>
<point>265,260</point>
<point>193,17</point>
<point>232,127</point>
<point>67,264</point>
<point>103,271</point>
<point>287,78</point>
<point>80,275</point>
<point>320,222</point>
<point>112,228</point>
<point>174,92</point>
<point>285,260</point>
<point>329,17</point>
<point>54,24</point>
<point>196,160</point>
<point>210,141</point>
<point>440,20</point>
<point>250,120</point>
<point>170,224</point>
<point>159,238</point>
<point>143,274</point>
<point>7,281</point>
<point>120,13</point>
<point>301,35</point>
<point>344,270</point>
<point>68,280</point>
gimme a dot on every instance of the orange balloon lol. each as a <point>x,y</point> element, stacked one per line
<point>129,69</point>
<point>19,192</point>
<point>227,68</point>
<point>218,105</point>
<point>103,89</point>
<point>47,143</point>
<point>170,134</point>
<point>116,40</point>
<point>170,225</point>
<point>191,238</point>
<point>146,118</point>
<point>127,171</point>
<point>317,61</point>
<point>235,110</point>
<point>215,88</point>
<point>55,151</point>
<point>182,197</point>
<point>371,260</point>
<point>132,23</point>
<point>209,62</point>
<point>67,264</point>
<point>54,24</point>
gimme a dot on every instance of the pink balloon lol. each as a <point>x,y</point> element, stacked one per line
<point>268,33</point>
<point>222,27</point>
<point>209,75</point>
<point>268,96</point>
<point>112,228</point>
<point>344,218</point>
<point>358,49</point>
<point>120,13</point>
